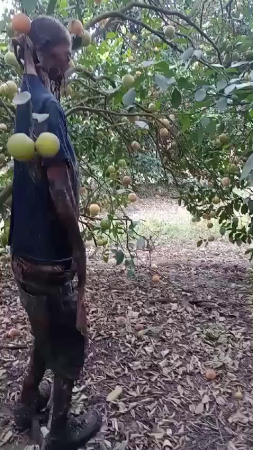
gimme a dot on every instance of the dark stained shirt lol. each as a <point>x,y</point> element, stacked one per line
<point>36,232</point>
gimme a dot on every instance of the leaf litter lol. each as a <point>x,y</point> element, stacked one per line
<point>149,381</point>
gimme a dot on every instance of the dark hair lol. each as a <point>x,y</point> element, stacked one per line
<point>46,33</point>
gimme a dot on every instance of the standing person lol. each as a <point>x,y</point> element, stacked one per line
<point>46,243</point>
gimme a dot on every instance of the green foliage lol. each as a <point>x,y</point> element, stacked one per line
<point>202,89</point>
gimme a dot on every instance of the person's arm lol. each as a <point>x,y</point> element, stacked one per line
<point>65,204</point>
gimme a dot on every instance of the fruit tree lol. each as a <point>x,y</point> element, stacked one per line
<point>154,92</point>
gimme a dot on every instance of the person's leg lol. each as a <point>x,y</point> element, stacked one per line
<point>31,400</point>
<point>68,352</point>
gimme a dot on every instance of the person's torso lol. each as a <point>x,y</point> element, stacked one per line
<point>36,232</point>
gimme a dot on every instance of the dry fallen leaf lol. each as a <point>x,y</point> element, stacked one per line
<point>114,394</point>
<point>205,399</point>
<point>220,401</point>
<point>6,437</point>
<point>238,417</point>
<point>199,408</point>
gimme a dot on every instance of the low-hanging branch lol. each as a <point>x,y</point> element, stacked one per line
<point>78,108</point>
<point>120,13</point>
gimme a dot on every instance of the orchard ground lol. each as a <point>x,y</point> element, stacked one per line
<point>156,341</point>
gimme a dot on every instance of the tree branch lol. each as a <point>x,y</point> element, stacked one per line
<point>166,12</point>
<point>5,194</point>
<point>75,109</point>
<point>51,7</point>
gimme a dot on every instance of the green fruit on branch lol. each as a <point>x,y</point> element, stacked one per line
<point>152,107</point>
<point>3,127</point>
<point>21,147</point>
<point>94,209</point>
<point>86,38</point>
<point>169,31</point>
<point>224,139</point>
<point>47,145</point>
<point>10,89</point>
<point>165,122</point>
<point>126,180</point>
<point>127,81</point>
<point>132,197</point>
<point>225,182</point>
<point>111,169</point>
<point>11,60</point>
<point>164,132</point>
<point>122,163</point>
<point>135,145</point>
<point>216,200</point>
<point>209,225</point>
<point>105,224</point>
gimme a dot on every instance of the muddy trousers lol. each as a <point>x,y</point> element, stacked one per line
<point>62,391</point>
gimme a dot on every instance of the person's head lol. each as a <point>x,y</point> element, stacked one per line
<point>52,44</point>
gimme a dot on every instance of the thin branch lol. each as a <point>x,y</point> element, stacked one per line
<point>6,109</point>
<point>166,12</point>
<point>51,7</point>
<point>75,109</point>
<point>5,193</point>
<point>92,77</point>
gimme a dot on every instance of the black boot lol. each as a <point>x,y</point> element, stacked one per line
<point>31,399</point>
<point>67,432</point>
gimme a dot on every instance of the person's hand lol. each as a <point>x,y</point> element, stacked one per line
<point>24,51</point>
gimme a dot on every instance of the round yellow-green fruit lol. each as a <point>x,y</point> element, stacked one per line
<point>122,163</point>
<point>169,31</point>
<point>126,180</point>
<point>216,200</point>
<point>86,38</point>
<point>152,107</point>
<point>105,224</point>
<point>10,88</point>
<point>11,60</point>
<point>94,209</point>
<point>225,182</point>
<point>224,139</point>
<point>47,145</point>
<point>132,197</point>
<point>111,169</point>
<point>21,147</point>
<point>127,81</point>
<point>3,127</point>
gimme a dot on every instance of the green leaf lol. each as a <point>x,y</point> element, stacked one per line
<point>111,35</point>
<point>187,54</point>
<point>222,231</point>
<point>199,243</point>
<point>247,168</point>
<point>147,63</point>
<point>221,85</point>
<point>129,98</point>
<point>229,88</point>
<point>142,124</point>
<point>200,95</point>
<point>176,98</point>
<point>205,121</point>
<point>119,256</point>
<point>161,81</point>
<point>222,104</point>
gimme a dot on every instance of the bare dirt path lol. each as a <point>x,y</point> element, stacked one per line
<point>156,341</point>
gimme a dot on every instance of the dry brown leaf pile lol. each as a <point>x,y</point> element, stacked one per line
<point>150,347</point>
